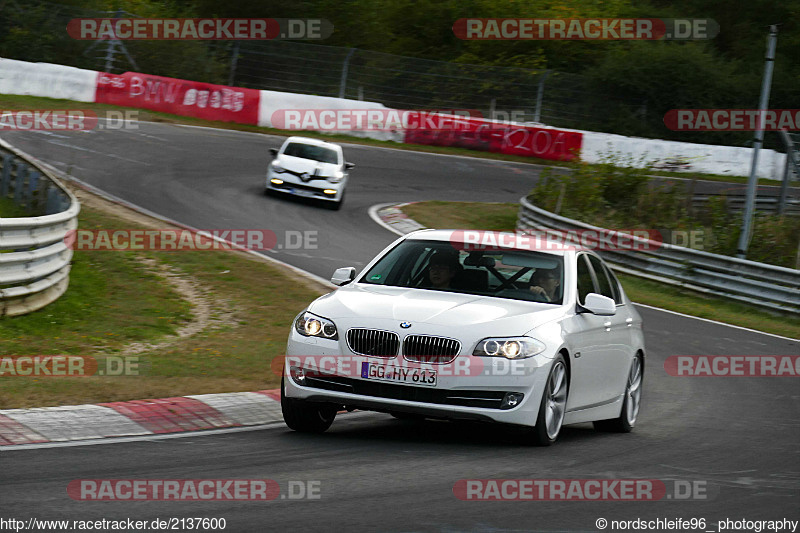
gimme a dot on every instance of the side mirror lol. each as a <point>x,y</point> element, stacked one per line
<point>274,152</point>
<point>348,166</point>
<point>597,304</point>
<point>343,276</point>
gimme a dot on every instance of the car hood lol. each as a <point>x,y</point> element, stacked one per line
<point>300,165</point>
<point>435,308</point>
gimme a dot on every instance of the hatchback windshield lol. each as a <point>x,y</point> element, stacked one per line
<point>502,273</point>
<point>310,151</point>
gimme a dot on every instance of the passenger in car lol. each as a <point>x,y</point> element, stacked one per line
<point>545,283</point>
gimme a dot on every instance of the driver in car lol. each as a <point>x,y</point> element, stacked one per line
<point>545,283</point>
<point>442,268</point>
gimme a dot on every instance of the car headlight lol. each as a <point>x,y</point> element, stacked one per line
<point>509,347</point>
<point>277,168</point>
<point>311,325</point>
<point>337,177</point>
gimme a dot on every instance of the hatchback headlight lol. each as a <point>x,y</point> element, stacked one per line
<point>509,347</point>
<point>337,177</point>
<point>277,168</point>
<point>311,325</point>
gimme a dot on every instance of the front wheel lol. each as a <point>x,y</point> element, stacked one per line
<point>630,405</point>
<point>553,406</point>
<point>306,417</point>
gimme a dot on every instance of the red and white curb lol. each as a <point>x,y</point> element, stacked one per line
<point>138,418</point>
<point>391,217</point>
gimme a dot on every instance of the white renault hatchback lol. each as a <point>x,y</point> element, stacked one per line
<point>438,326</point>
<point>311,168</point>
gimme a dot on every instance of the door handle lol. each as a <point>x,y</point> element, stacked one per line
<point>629,321</point>
<point>607,325</point>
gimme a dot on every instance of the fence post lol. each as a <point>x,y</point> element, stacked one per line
<point>345,67</point>
<point>33,182</point>
<point>8,160</point>
<point>537,115</point>
<point>53,202</point>
<point>790,160</point>
<point>234,62</point>
<point>19,182</point>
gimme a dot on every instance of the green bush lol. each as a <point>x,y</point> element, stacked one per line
<point>618,194</point>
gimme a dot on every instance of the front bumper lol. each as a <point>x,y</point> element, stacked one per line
<point>290,184</point>
<point>470,388</point>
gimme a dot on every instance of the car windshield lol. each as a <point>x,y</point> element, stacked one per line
<point>310,151</point>
<point>501,273</point>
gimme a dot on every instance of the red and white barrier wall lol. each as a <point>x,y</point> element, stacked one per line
<point>45,79</point>
<point>251,106</point>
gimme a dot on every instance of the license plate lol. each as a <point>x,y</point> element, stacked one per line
<point>301,192</point>
<point>424,377</point>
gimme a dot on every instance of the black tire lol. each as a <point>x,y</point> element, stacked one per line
<point>408,416</point>
<point>630,406</point>
<point>306,417</point>
<point>554,402</point>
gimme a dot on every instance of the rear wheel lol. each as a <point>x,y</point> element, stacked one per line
<point>307,417</point>
<point>553,406</point>
<point>631,403</point>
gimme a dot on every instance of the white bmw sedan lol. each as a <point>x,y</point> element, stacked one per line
<point>442,324</point>
<point>311,168</point>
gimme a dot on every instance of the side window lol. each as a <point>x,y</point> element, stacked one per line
<point>615,287</point>
<point>585,282</point>
<point>604,284</point>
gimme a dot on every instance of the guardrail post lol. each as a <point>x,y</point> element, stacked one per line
<point>22,170</point>
<point>53,201</point>
<point>33,182</point>
<point>8,160</point>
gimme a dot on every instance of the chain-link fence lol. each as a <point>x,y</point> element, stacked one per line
<point>33,30</point>
<point>555,98</point>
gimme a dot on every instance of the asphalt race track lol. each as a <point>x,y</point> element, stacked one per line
<point>736,438</point>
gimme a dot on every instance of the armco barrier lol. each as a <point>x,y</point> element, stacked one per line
<point>768,286</point>
<point>34,260</point>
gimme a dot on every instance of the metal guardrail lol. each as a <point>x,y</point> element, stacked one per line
<point>768,286</point>
<point>34,260</point>
<point>764,204</point>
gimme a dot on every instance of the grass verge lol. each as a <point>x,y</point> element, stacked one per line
<point>503,217</point>
<point>8,209</point>
<point>117,306</point>
<point>14,102</point>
